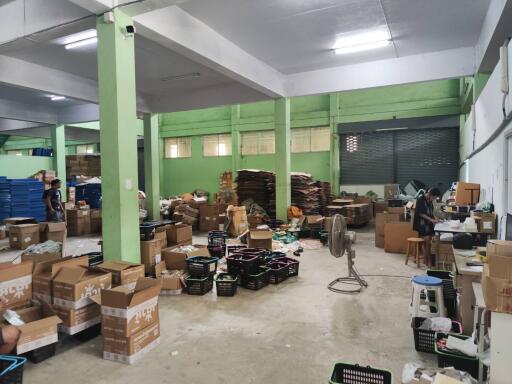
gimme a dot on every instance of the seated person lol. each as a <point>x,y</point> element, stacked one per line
<point>9,335</point>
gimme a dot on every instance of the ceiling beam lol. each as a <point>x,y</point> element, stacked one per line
<point>14,110</point>
<point>441,65</point>
<point>94,6</point>
<point>175,29</point>
<point>10,125</point>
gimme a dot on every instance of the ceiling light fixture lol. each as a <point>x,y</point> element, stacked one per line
<point>56,98</point>
<point>181,77</point>
<point>79,39</point>
<point>82,43</point>
<point>391,129</point>
<point>362,42</point>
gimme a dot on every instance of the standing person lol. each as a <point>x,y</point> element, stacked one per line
<point>424,220</point>
<point>53,201</point>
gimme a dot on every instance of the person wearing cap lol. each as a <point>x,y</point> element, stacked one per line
<point>425,221</point>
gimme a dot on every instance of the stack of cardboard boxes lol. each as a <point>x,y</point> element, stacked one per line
<point>123,272</point>
<point>392,231</point>
<point>211,217</point>
<point>497,276</point>
<point>95,221</point>
<point>130,323</point>
<point>87,165</point>
<point>22,236</point>
<point>78,221</point>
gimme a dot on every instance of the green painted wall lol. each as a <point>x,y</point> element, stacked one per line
<point>19,167</point>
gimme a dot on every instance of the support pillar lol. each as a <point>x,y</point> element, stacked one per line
<point>58,137</point>
<point>283,158</point>
<point>334,159</point>
<point>152,165</point>
<point>117,99</point>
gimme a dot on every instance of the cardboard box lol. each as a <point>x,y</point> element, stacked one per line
<point>260,239</point>
<point>95,213</point>
<point>397,210</point>
<point>41,257</point>
<point>463,193</point>
<point>172,281</point>
<point>499,248</point>
<point>497,292</point>
<point>380,206</point>
<point>486,222</point>
<point>208,218</point>
<point>161,236</point>
<point>77,213</point>
<point>123,272</point>
<point>391,191</point>
<point>19,220</point>
<point>74,286</point>
<point>379,241</point>
<point>79,226</point>
<point>130,349</point>
<point>52,231</point>
<point>125,311</point>
<point>77,320</point>
<point>150,254</point>
<point>95,226</point>
<point>178,233</point>
<point>396,235</point>
<point>40,328</point>
<point>23,235</point>
<point>499,258</point>
<point>176,258</point>
<point>382,218</point>
<point>254,221</point>
<point>238,224</point>
<point>16,282</point>
<point>44,272</point>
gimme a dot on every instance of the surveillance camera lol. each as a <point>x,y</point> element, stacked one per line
<point>129,31</point>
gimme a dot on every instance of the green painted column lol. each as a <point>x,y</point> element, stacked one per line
<point>58,138</point>
<point>152,165</point>
<point>283,158</point>
<point>161,155</point>
<point>236,159</point>
<point>118,139</point>
<point>334,158</point>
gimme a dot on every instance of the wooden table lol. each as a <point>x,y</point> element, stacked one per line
<point>465,277</point>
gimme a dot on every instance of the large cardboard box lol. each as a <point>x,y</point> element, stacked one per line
<point>125,311</point>
<point>16,283</point>
<point>397,210</point>
<point>79,226</point>
<point>172,281</point>
<point>396,235</point>
<point>77,213</point>
<point>260,239</point>
<point>176,257</point>
<point>208,218</point>
<point>19,220</point>
<point>382,218</point>
<point>380,206</point>
<point>95,220</point>
<point>499,248</point>
<point>178,233</point>
<point>150,254</point>
<point>123,272</point>
<point>23,235</point>
<point>73,287</point>
<point>237,218</point>
<point>463,193</point>
<point>379,241</point>
<point>499,258</point>
<point>77,320</point>
<point>486,222</point>
<point>41,257</point>
<point>40,328</point>
<point>52,231</point>
<point>497,292</point>
<point>161,235</point>
<point>44,272</point>
<point>130,349</point>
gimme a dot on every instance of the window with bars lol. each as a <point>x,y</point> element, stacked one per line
<point>316,139</point>
<point>178,147</point>
<point>258,143</point>
<point>217,145</point>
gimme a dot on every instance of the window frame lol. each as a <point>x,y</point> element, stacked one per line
<point>260,144</point>
<point>187,140</point>
<point>307,145</point>
<point>227,137</point>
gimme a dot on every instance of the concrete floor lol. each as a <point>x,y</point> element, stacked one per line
<point>290,333</point>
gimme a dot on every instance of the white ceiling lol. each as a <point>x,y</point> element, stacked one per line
<point>35,98</point>
<point>297,35</point>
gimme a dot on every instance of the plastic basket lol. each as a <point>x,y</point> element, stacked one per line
<point>217,237</point>
<point>41,354</point>
<point>201,266</point>
<point>425,340</point>
<point>293,265</point>
<point>226,284</point>
<point>343,373</point>
<point>456,359</point>
<point>217,250</point>
<point>199,286</point>
<point>11,369</point>
<point>235,248</point>
<point>256,281</point>
<point>272,256</point>
<point>243,264</point>
<point>278,273</point>
<point>147,231</point>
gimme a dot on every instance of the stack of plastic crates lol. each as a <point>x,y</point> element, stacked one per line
<point>91,193</point>
<point>11,369</point>
<point>217,243</point>
<point>27,199</point>
<point>249,264</point>
<point>343,373</point>
<point>449,291</point>
<point>5,199</point>
<point>201,270</point>
<point>425,339</point>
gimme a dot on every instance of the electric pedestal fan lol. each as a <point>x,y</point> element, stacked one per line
<point>340,242</point>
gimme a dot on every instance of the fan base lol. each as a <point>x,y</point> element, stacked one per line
<point>348,281</point>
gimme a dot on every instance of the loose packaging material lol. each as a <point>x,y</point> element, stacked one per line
<point>73,287</point>
<point>176,257</point>
<point>40,328</point>
<point>497,292</point>
<point>382,218</point>
<point>467,193</point>
<point>130,349</point>
<point>126,311</point>
<point>396,235</point>
<point>150,254</point>
<point>237,218</point>
<point>44,272</point>
<point>52,231</point>
<point>260,239</point>
<point>123,272</point>
<point>172,281</point>
<point>208,218</point>
<point>178,233</point>
<point>161,235</point>
<point>23,235</point>
<point>16,283</point>
<point>391,191</point>
<point>77,320</point>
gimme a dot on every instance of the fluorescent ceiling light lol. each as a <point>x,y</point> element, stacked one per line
<point>89,33</point>
<point>391,129</point>
<point>56,98</point>
<point>82,43</point>
<point>362,42</point>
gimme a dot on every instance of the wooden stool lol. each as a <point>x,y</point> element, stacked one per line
<point>414,244</point>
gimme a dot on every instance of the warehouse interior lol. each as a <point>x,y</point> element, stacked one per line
<point>255,191</point>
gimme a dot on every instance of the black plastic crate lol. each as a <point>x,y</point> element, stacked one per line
<point>41,354</point>
<point>89,333</point>
<point>201,266</point>
<point>217,237</point>
<point>256,281</point>
<point>272,256</point>
<point>199,285</point>
<point>226,284</point>
<point>11,369</point>
<point>344,373</point>
<point>449,290</point>
<point>425,340</point>
<point>95,258</point>
<point>456,359</point>
<point>278,273</point>
<point>147,231</point>
<point>235,248</point>
<point>293,265</point>
<point>243,263</point>
<point>217,250</point>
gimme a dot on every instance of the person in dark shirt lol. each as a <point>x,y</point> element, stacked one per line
<point>53,201</point>
<point>424,220</point>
